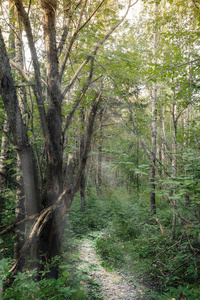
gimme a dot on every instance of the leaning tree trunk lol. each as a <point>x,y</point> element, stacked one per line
<point>19,135</point>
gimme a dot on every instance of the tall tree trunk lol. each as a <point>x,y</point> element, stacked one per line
<point>99,159</point>
<point>137,165</point>
<point>6,131</point>
<point>82,179</point>
<point>153,154</point>
<point>174,145</point>
<point>154,128</point>
<point>18,129</point>
<point>50,239</point>
<point>21,92</point>
<point>174,159</point>
<point>161,145</point>
<point>19,214</point>
<point>3,165</point>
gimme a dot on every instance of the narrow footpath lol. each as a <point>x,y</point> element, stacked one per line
<point>113,285</point>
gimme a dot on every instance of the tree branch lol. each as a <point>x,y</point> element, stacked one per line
<point>145,148</point>
<point>78,28</point>
<point>24,73</point>
<point>36,65</point>
<point>93,53</point>
<point>134,3</point>
<point>185,263</point>
<point>84,90</point>
<point>90,17</point>
<point>11,180</point>
<point>64,37</point>
<point>156,219</point>
<point>172,68</point>
<point>163,252</point>
<point>195,4</point>
<point>87,144</point>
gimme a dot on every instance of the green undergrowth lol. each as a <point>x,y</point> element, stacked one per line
<point>129,239</point>
<point>70,284</point>
<point>97,214</point>
<point>67,286</point>
<point>139,244</point>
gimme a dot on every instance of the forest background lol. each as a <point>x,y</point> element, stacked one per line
<point>99,119</point>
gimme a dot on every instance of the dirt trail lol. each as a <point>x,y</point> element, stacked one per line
<point>114,285</point>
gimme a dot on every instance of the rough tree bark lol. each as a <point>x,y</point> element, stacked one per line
<point>61,206</point>
<point>19,135</point>
<point>3,164</point>
<point>20,139</point>
<point>5,129</point>
<point>21,93</point>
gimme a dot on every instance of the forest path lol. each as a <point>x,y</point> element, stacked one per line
<point>113,285</point>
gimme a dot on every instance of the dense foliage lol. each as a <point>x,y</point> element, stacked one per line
<point>144,142</point>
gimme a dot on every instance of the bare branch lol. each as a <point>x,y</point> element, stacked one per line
<point>75,76</point>
<point>195,4</point>
<point>84,90</point>
<point>156,219</point>
<point>160,226</point>
<point>7,135</point>
<point>134,3</point>
<point>78,28</point>
<point>93,53</point>
<point>87,143</point>
<point>183,219</point>
<point>163,252</point>
<point>144,223</point>
<point>24,73</point>
<point>101,42</point>
<point>13,226</point>
<point>81,15</point>
<point>72,41</point>
<point>90,17</point>
<point>189,102</point>
<point>185,263</point>
<point>36,65</point>
<point>144,146</point>
<point>9,178</point>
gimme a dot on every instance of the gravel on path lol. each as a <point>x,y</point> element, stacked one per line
<point>114,286</point>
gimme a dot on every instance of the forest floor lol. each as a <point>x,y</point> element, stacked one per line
<point>104,282</point>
